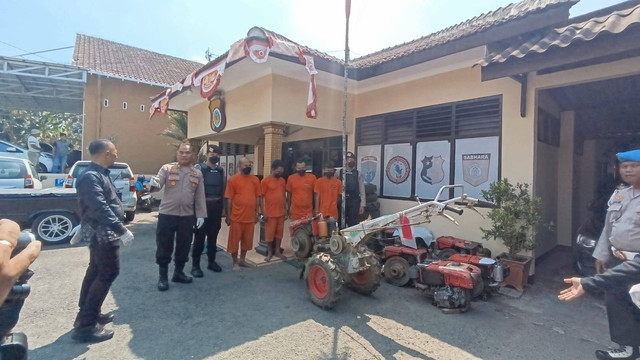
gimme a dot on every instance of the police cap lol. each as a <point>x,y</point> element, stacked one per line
<point>633,155</point>
<point>350,155</point>
<point>213,149</point>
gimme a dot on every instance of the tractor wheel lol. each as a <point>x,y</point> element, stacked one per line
<point>446,254</point>
<point>367,281</point>
<point>301,243</point>
<point>396,271</point>
<point>324,281</point>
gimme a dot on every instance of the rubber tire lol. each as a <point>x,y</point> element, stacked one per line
<point>129,216</point>
<point>446,254</point>
<point>323,264</point>
<point>71,218</point>
<point>372,275</point>
<point>393,262</point>
<point>306,243</point>
<point>41,169</point>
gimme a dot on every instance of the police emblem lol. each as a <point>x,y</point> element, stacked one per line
<point>398,170</point>
<point>369,166</point>
<point>475,168</point>
<point>432,169</point>
<point>218,118</point>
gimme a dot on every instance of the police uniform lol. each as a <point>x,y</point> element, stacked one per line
<point>214,184</point>
<point>619,242</point>
<point>355,196</point>
<point>183,195</point>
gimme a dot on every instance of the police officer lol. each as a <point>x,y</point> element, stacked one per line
<point>620,242</point>
<point>354,191</point>
<point>214,183</point>
<point>183,195</point>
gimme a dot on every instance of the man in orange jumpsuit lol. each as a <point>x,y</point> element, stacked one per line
<point>300,192</point>
<point>274,199</point>
<point>242,194</point>
<point>327,190</point>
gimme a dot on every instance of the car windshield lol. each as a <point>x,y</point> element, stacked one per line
<point>116,171</point>
<point>12,169</point>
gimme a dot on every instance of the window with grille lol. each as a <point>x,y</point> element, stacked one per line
<point>439,125</point>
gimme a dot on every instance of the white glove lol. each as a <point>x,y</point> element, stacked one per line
<point>635,294</point>
<point>199,222</point>
<point>155,182</point>
<point>127,238</point>
<point>76,235</point>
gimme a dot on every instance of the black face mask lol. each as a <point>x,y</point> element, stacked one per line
<point>246,170</point>
<point>214,159</point>
<point>301,172</point>
<point>351,163</point>
<point>329,174</point>
<point>277,175</point>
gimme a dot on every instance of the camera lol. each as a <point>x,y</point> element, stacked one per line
<point>14,346</point>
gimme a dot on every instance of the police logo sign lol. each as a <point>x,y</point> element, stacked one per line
<point>369,166</point>
<point>398,170</point>
<point>218,118</point>
<point>476,168</point>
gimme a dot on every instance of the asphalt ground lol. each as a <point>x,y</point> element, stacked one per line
<point>265,313</point>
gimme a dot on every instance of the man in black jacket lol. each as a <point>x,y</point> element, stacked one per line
<point>102,227</point>
<point>214,183</point>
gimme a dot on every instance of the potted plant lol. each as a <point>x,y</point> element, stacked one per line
<point>514,220</point>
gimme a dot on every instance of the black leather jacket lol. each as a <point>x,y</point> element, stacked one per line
<point>100,208</point>
<point>621,277</point>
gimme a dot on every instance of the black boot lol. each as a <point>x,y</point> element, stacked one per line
<point>213,266</point>
<point>195,268</point>
<point>163,283</point>
<point>179,275</point>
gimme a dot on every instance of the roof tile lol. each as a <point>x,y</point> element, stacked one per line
<point>130,62</point>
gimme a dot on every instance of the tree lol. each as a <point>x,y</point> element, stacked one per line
<point>16,125</point>
<point>177,130</point>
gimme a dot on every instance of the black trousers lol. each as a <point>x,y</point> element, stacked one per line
<point>210,230</point>
<point>623,316</point>
<point>178,229</point>
<point>352,210</point>
<point>104,267</point>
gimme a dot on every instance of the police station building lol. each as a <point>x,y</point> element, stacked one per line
<point>523,92</point>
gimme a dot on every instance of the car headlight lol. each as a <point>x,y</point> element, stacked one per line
<point>586,241</point>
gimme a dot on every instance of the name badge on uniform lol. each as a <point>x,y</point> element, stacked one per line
<point>173,178</point>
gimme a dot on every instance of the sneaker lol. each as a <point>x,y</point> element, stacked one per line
<point>621,353</point>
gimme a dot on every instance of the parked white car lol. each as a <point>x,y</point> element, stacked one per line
<point>45,162</point>
<point>18,174</point>
<point>122,178</point>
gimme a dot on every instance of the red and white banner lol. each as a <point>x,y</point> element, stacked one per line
<point>160,105</point>
<point>257,50</point>
<point>209,79</point>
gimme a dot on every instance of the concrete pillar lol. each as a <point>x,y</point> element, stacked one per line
<point>273,136</point>
<point>566,178</point>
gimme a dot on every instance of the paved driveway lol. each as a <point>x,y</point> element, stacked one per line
<point>264,313</point>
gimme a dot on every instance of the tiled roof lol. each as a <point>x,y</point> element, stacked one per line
<point>613,23</point>
<point>475,25</point>
<point>113,58</point>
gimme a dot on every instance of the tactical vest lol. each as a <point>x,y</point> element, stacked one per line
<point>213,181</point>
<point>351,187</point>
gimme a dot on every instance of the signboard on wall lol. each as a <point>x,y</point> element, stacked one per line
<point>477,164</point>
<point>397,170</point>
<point>369,164</point>
<point>231,165</point>
<point>432,168</point>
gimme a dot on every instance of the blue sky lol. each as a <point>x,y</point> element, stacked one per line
<point>187,28</point>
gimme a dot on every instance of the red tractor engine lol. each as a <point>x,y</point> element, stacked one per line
<point>307,233</point>
<point>449,245</point>
<point>493,271</point>
<point>452,285</point>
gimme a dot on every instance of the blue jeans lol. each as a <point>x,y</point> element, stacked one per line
<point>59,164</point>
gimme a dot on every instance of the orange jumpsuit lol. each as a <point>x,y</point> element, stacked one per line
<point>301,189</point>
<point>243,191</point>
<point>328,190</point>
<point>273,190</point>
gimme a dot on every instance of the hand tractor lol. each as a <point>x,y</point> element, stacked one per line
<point>334,257</point>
